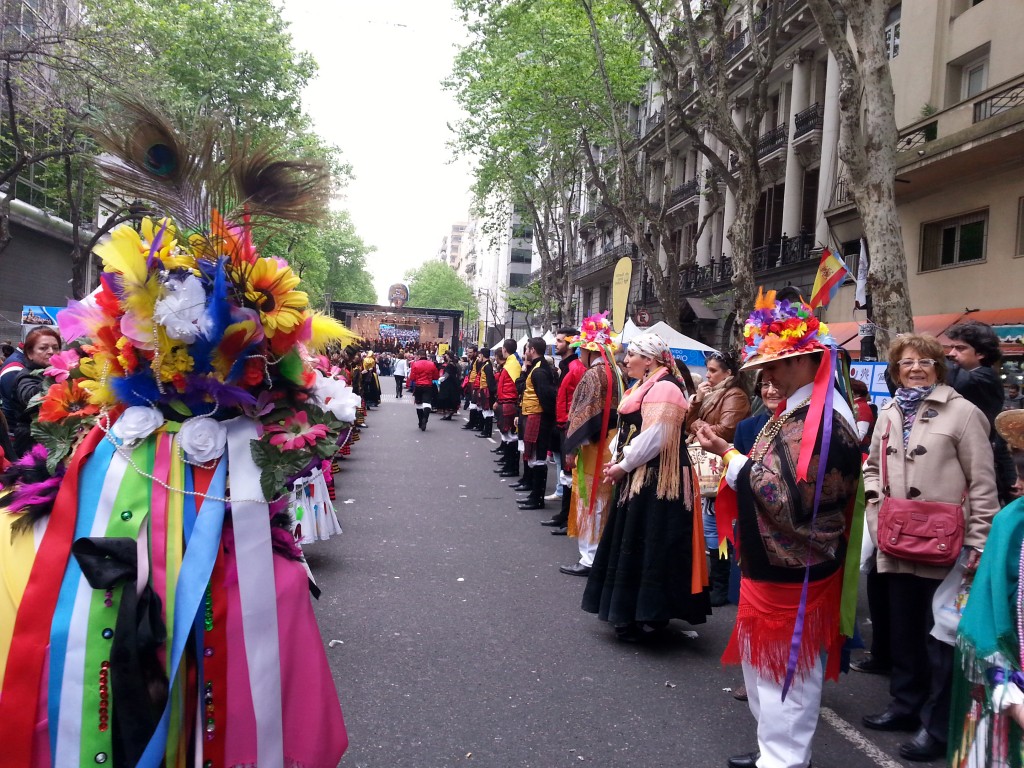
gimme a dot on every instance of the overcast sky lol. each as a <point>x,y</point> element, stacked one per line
<point>378,97</point>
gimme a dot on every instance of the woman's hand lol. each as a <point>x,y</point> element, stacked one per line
<point>612,473</point>
<point>703,390</point>
<point>711,441</point>
<point>973,558</point>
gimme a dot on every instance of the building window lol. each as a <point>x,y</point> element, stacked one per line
<point>605,304</point>
<point>518,279</point>
<point>524,231</point>
<point>588,301</point>
<point>1020,227</point>
<point>521,256</point>
<point>892,31</point>
<point>951,242</point>
<point>974,79</point>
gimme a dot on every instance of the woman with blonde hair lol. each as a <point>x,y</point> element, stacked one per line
<point>649,566</point>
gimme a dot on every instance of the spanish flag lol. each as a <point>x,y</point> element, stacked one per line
<point>831,273</point>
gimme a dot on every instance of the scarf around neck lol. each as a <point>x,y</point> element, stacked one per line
<point>909,400</point>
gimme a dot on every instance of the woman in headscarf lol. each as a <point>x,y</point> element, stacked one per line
<point>721,403</point>
<point>650,567</point>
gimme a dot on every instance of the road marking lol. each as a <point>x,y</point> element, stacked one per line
<point>858,739</point>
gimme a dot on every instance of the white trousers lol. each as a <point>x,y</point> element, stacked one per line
<point>784,728</point>
<point>587,548</point>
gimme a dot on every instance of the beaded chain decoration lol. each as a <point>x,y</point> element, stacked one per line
<point>770,431</point>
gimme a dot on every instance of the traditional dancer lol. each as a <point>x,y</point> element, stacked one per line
<point>796,496</point>
<point>506,408</point>
<point>487,387</point>
<point>422,374</point>
<point>592,420</point>
<point>472,382</point>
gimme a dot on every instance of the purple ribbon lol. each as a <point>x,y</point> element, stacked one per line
<point>826,441</point>
<point>1000,675</point>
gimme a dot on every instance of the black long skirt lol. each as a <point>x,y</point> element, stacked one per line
<point>642,569</point>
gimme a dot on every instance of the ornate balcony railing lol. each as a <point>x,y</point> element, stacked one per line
<point>773,140</point>
<point>606,259</point>
<point>841,194</point>
<point>918,137</point>
<point>784,252</point>
<point>810,119</point>
<point>684,191</point>
<point>654,121</point>
<point>737,45</point>
<point>999,102</point>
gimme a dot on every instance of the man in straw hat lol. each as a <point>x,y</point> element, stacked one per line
<point>794,499</point>
<point>592,419</point>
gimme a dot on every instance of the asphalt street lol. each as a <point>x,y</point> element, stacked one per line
<point>454,640</point>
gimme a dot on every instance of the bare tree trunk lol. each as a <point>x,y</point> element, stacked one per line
<point>868,148</point>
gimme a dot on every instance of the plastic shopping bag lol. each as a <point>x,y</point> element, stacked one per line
<point>950,599</point>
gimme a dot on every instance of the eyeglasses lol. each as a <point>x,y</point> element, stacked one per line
<point>926,364</point>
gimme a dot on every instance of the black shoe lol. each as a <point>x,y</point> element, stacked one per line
<point>560,532</point>
<point>485,436</point>
<point>748,760</point>
<point>891,721</point>
<point>508,472</point>
<point>871,666</point>
<point>552,523</point>
<point>531,504</point>
<point>576,569</point>
<point>520,486</point>
<point>923,748</point>
<point>500,449</point>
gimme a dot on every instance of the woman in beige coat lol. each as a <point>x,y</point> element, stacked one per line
<point>937,448</point>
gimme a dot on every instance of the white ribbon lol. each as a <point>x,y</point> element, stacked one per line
<point>257,591</point>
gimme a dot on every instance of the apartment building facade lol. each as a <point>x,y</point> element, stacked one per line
<point>958,77</point>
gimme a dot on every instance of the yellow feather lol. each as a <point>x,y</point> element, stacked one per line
<point>326,330</point>
<point>124,253</point>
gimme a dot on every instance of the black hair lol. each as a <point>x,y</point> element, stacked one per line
<point>684,371</point>
<point>981,337</point>
<point>538,345</point>
<point>726,360</point>
<point>484,352</point>
<point>568,331</point>
<point>510,346</point>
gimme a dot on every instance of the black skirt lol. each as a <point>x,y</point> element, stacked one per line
<point>642,569</point>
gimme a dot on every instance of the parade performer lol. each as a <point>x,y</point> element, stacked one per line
<point>592,419</point>
<point>987,712</point>
<point>155,609</point>
<point>422,374</point>
<point>570,371</point>
<point>506,409</point>
<point>539,412</point>
<point>487,388</point>
<point>370,382</point>
<point>472,383</point>
<point>796,495</point>
<point>650,566</point>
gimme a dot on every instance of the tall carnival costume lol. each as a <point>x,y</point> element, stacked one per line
<point>798,500</point>
<point>155,608</point>
<point>650,565</point>
<point>593,418</point>
<point>987,714</point>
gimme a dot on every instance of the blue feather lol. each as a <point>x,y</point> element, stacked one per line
<point>136,389</point>
<point>218,317</point>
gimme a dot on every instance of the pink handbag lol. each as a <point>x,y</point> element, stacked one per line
<point>927,532</point>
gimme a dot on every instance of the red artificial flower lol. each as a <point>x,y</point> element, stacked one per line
<point>66,400</point>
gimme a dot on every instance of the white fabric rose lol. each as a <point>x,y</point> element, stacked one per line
<point>203,439</point>
<point>181,309</point>
<point>137,423</point>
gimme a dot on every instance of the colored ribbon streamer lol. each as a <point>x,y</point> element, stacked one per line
<point>19,702</point>
<point>821,417</point>
<point>257,592</point>
<point>190,590</point>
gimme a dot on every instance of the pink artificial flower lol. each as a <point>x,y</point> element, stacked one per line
<point>61,365</point>
<point>295,432</point>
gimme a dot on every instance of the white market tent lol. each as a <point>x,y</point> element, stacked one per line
<point>677,340</point>
<point>629,330</point>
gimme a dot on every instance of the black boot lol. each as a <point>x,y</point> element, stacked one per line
<point>502,460</point>
<point>524,482</point>
<point>488,427</point>
<point>474,415</point>
<point>539,487</point>
<point>719,573</point>
<point>511,466</point>
<point>561,520</point>
<point>426,418</point>
<point>419,418</point>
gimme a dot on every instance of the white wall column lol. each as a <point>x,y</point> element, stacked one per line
<point>829,168</point>
<point>705,240</point>
<point>792,203</point>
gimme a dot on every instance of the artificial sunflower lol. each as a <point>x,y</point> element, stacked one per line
<point>269,286</point>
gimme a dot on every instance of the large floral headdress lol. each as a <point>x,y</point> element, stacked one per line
<point>777,329</point>
<point>595,334</point>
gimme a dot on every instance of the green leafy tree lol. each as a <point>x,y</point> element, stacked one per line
<point>436,285</point>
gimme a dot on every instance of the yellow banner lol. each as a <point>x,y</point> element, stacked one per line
<point>620,292</point>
